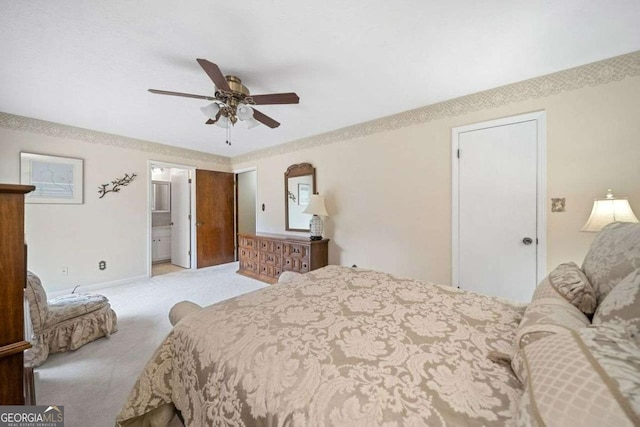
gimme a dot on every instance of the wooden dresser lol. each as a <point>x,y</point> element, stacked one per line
<point>13,268</point>
<point>266,256</point>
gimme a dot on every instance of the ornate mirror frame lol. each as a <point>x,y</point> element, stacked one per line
<point>294,171</point>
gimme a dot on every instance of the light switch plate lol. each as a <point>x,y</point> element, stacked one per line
<point>558,205</point>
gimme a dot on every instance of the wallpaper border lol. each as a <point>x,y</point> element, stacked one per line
<point>593,74</point>
<point>43,127</point>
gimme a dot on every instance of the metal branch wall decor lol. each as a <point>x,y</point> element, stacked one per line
<point>117,184</point>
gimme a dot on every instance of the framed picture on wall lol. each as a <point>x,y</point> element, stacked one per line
<point>57,179</point>
<point>304,194</point>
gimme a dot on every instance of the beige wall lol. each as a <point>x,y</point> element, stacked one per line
<point>113,228</point>
<point>389,194</point>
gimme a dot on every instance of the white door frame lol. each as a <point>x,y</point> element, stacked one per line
<point>541,218</point>
<point>191,169</point>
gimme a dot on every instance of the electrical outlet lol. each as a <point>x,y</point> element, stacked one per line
<point>102,265</point>
<point>64,270</point>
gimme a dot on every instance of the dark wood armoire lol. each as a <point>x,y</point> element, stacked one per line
<point>13,271</point>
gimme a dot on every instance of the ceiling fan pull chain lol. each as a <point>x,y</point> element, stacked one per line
<point>229,133</point>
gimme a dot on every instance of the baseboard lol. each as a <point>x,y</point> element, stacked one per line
<point>96,286</point>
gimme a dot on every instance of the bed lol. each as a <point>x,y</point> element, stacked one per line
<point>351,347</point>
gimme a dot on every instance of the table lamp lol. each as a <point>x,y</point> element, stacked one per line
<point>608,210</point>
<point>316,208</point>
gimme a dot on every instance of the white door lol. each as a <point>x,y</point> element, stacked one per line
<point>180,218</point>
<point>247,192</point>
<point>497,208</point>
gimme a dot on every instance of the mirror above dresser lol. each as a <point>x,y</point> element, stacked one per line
<point>299,185</point>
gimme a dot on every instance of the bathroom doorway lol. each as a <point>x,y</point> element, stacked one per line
<point>170,209</point>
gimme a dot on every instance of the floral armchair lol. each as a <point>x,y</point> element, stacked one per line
<point>66,322</point>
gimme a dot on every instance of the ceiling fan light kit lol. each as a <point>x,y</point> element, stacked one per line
<point>244,112</point>
<point>251,123</point>
<point>222,122</point>
<point>211,110</point>
<point>232,101</point>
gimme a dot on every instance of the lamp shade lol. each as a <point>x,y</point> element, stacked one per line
<point>316,206</point>
<point>211,110</point>
<point>251,123</point>
<point>244,112</point>
<point>223,122</point>
<point>608,210</point>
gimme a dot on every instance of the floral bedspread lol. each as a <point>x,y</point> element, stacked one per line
<point>336,347</point>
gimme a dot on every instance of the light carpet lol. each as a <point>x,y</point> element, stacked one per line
<point>94,381</point>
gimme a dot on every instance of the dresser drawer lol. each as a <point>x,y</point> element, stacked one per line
<point>270,246</point>
<point>248,265</point>
<point>296,250</point>
<point>269,258</point>
<point>277,247</point>
<point>295,264</point>
<point>245,254</point>
<point>270,270</point>
<point>247,242</point>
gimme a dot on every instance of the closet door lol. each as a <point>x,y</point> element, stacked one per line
<point>498,207</point>
<point>214,218</point>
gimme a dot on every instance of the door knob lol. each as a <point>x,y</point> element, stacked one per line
<point>527,240</point>
<point>198,224</point>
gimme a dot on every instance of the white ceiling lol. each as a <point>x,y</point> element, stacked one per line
<point>89,63</point>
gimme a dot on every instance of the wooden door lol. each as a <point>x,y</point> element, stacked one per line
<point>214,218</point>
<point>497,209</point>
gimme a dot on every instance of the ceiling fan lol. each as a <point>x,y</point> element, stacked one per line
<point>232,101</point>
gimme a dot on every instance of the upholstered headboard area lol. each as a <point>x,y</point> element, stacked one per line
<point>613,255</point>
<point>578,371</point>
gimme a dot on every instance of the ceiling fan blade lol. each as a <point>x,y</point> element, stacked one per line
<point>264,119</point>
<point>276,98</point>
<point>211,121</point>
<point>214,74</point>
<point>187,95</point>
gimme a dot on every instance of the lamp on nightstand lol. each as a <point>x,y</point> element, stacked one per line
<point>608,210</point>
<point>316,208</point>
